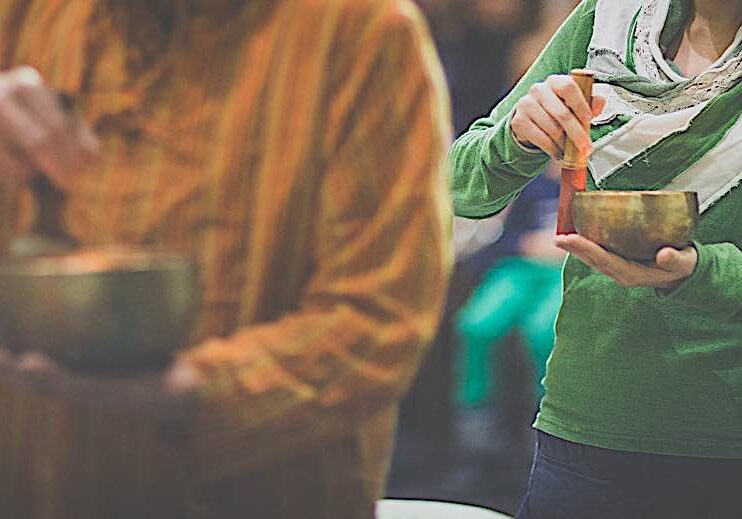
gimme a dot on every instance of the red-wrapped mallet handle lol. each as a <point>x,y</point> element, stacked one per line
<point>574,165</point>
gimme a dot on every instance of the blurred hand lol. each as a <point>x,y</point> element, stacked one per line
<point>165,396</point>
<point>553,110</point>
<point>496,13</point>
<point>670,269</point>
<point>37,133</point>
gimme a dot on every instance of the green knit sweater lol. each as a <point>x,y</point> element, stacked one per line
<point>631,369</point>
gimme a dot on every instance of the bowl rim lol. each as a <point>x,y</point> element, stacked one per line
<point>52,266</point>
<point>635,193</point>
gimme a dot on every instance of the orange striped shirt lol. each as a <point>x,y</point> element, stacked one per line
<point>294,147</point>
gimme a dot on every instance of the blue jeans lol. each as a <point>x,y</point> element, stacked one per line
<point>574,481</point>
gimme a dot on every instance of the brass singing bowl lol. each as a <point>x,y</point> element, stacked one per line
<point>103,310</point>
<point>636,224</point>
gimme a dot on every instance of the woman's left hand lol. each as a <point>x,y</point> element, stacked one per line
<point>670,269</point>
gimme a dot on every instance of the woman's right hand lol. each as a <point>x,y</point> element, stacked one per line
<point>37,134</point>
<point>553,111</point>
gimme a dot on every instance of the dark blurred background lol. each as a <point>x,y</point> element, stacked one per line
<point>465,428</point>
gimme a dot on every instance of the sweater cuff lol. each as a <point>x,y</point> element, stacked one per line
<point>522,160</point>
<point>527,149</point>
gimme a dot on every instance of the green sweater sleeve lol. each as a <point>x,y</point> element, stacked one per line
<point>716,285</point>
<point>488,165</point>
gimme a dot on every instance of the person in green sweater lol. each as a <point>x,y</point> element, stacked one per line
<point>642,413</point>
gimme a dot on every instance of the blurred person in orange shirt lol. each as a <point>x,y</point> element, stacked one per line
<point>294,148</point>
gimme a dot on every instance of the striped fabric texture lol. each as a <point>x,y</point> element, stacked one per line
<point>294,148</point>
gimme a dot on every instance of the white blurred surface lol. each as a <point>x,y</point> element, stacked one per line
<point>470,236</point>
<point>404,509</point>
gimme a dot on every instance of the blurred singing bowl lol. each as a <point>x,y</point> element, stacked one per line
<point>636,224</point>
<point>99,310</point>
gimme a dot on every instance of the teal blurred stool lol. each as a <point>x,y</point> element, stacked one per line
<point>404,509</point>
